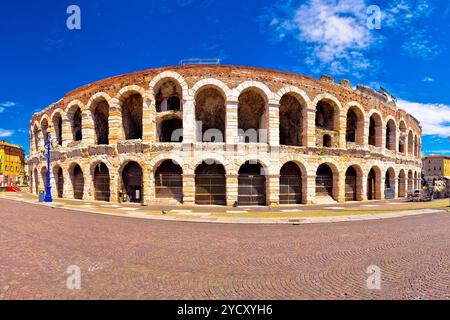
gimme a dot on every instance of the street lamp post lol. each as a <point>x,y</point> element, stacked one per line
<point>47,147</point>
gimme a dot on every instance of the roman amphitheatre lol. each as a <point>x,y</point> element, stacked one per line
<point>226,136</point>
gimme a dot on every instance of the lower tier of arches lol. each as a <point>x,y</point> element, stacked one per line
<point>213,183</point>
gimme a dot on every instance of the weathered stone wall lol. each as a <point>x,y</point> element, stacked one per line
<point>239,88</point>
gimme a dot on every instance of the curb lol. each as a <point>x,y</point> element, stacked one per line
<point>240,220</point>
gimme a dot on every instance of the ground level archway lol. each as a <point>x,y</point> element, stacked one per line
<point>251,185</point>
<point>101,183</point>
<point>77,182</point>
<point>210,184</point>
<point>132,186</point>
<point>290,184</point>
<point>169,181</point>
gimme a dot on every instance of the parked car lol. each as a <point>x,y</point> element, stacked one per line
<point>420,196</point>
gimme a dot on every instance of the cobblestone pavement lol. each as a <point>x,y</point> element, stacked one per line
<point>123,258</point>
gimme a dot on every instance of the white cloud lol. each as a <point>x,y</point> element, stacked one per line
<point>5,133</point>
<point>8,104</point>
<point>333,35</point>
<point>335,32</point>
<point>428,79</point>
<point>434,117</point>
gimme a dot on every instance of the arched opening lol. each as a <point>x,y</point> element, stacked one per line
<point>132,183</point>
<point>36,137</point>
<point>59,180</point>
<point>416,147</point>
<point>375,125</point>
<point>351,180</point>
<point>290,184</point>
<point>210,184</point>
<point>252,117</point>
<point>171,130</point>
<point>102,182</point>
<point>373,184</point>
<point>391,135</point>
<point>132,117</point>
<point>389,184</point>
<point>210,113</point>
<point>324,181</point>
<point>78,182</point>
<point>326,141</point>
<point>355,126</point>
<point>410,143</point>
<point>36,181</point>
<point>415,183</point>
<point>169,181</point>
<point>251,185</point>
<point>44,128</point>
<point>410,181</point>
<point>76,121</point>
<point>291,121</point>
<point>44,176</point>
<point>327,123</point>
<point>101,122</point>
<point>57,124</point>
<point>402,138</point>
<point>402,184</point>
<point>168,96</point>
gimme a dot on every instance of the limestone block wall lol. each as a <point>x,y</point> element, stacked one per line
<point>232,154</point>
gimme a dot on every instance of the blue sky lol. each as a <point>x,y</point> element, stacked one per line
<point>41,59</point>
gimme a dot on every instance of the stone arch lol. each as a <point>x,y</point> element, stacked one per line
<point>77,179</point>
<point>402,141</point>
<point>168,175</point>
<point>210,111</point>
<point>57,121</point>
<point>131,99</point>
<point>36,137</point>
<point>391,135</point>
<point>98,107</point>
<point>58,176</point>
<point>101,181</point>
<point>327,119</point>
<point>255,85</point>
<point>410,143</point>
<point>291,183</point>
<point>327,181</point>
<point>44,176</point>
<point>251,184</point>
<point>170,128</point>
<point>253,115</point>
<point>355,123</point>
<point>131,176</point>
<point>353,183</point>
<point>45,126</point>
<point>36,180</point>
<point>374,184</point>
<point>215,83</point>
<point>416,148</point>
<point>389,180</point>
<point>168,95</point>
<point>410,181</point>
<point>74,115</point>
<point>375,129</point>
<point>402,184</point>
<point>292,122</point>
<point>210,183</point>
<point>169,75</point>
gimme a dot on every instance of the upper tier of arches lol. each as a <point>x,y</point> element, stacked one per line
<point>172,109</point>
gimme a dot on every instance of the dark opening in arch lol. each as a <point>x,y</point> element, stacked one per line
<point>102,182</point>
<point>132,187</point>
<point>351,184</point>
<point>132,117</point>
<point>101,123</point>
<point>210,184</point>
<point>171,130</point>
<point>169,181</point>
<point>291,121</point>
<point>324,181</point>
<point>78,182</point>
<point>251,185</point>
<point>290,184</point>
